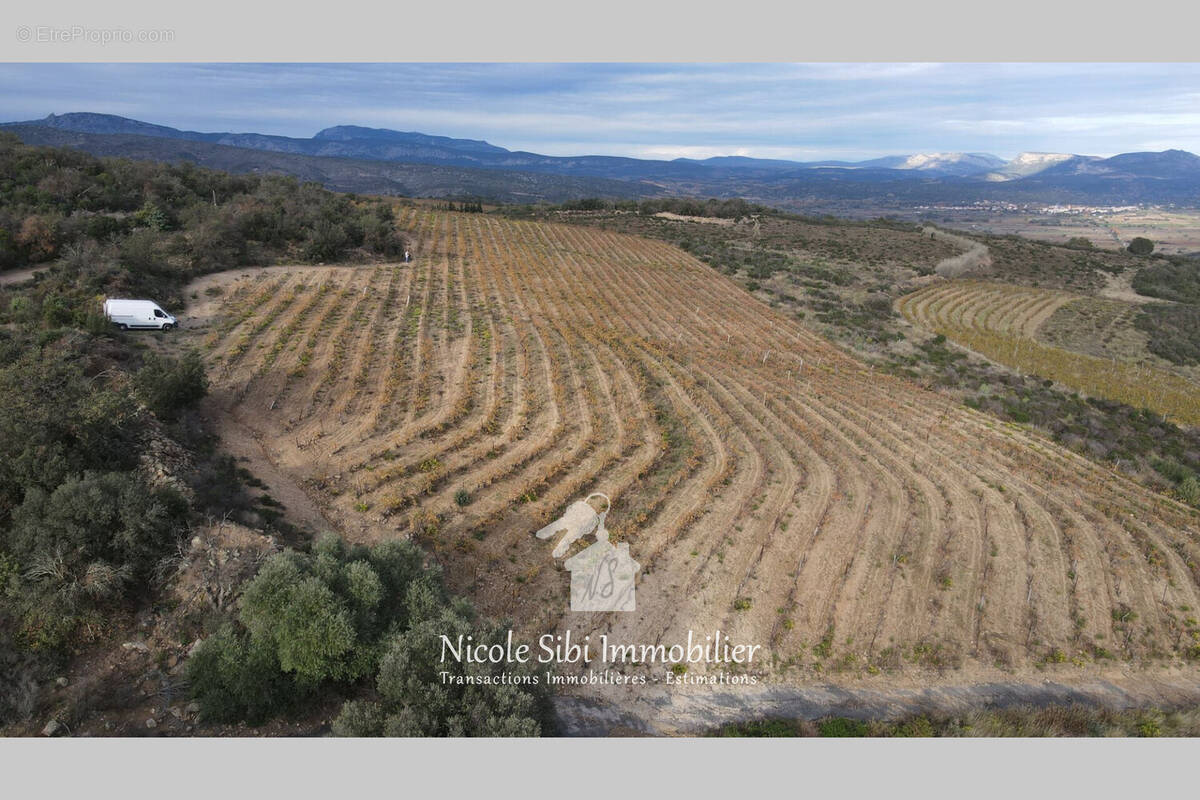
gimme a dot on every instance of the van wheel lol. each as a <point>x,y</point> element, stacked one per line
<point>167,326</point>
<point>122,326</point>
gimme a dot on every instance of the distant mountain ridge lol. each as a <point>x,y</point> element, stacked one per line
<point>343,174</point>
<point>342,157</point>
<point>354,141</point>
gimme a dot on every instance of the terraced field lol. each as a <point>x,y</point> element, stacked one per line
<point>770,485</point>
<point>1001,322</point>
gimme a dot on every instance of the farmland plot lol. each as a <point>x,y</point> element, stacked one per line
<point>1001,321</point>
<point>770,485</point>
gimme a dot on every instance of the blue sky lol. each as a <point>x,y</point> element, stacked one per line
<point>797,111</point>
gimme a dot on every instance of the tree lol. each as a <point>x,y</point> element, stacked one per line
<point>326,620</point>
<point>1141,246</point>
<point>239,678</point>
<point>308,628</point>
<point>311,620</point>
<point>326,240</point>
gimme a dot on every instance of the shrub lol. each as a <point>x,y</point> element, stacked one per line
<point>82,547</point>
<point>1174,279</point>
<point>761,728</point>
<point>1189,490</point>
<point>168,386</point>
<point>840,727</point>
<point>1141,246</point>
<point>326,241</point>
<point>321,617</point>
<point>307,628</point>
<point>238,678</point>
<point>917,727</point>
<point>1173,330</point>
<point>326,620</point>
<point>95,531</point>
<point>414,700</point>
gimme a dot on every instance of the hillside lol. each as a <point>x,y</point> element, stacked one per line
<point>881,509</point>
<point>341,174</point>
<point>890,182</point>
<point>770,485</point>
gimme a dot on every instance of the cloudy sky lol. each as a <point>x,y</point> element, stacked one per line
<point>797,111</point>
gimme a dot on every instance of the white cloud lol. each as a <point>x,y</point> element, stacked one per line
<point>798,111</point>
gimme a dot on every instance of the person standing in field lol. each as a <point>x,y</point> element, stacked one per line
<point>407,257</point>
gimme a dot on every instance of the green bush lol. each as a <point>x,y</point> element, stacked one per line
<point>414,700</point>
<point>321,617</point>
<point>168,385</point>
<point>1141,246</point>
<point>840,727</point>
<point>1175,279</point>
<point>56,422</point>
<point>770,728</point>
<point>95,531</point>
<point>324,621</point>
<point>239,678</point>
<point>917,727</point>
<point>1189,490</point>
<point>1173,330</point>
<point>91,543</point>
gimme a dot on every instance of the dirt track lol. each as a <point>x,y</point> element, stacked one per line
<point>662,712</point>
<point>974,260</point>
<point>18,276</point>
<point>770,485</point>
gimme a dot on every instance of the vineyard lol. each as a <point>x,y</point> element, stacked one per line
<point>771,486</point>
<point>1000,322</point>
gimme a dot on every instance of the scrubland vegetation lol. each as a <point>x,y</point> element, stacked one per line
<point>321,624</point>
<point>104,465</point>
<point>1175,279</point>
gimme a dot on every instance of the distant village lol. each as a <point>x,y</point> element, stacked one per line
<point>1034,208</point>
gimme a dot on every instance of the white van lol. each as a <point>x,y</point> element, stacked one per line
<point>126,314</point>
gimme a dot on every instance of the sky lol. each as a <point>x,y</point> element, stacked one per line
<point>791,111</point>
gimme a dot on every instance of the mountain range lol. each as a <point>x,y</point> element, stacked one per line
<point>382,161</point>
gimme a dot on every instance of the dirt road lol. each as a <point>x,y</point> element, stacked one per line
<point>974,259</point>
<point>662,712</point>
<point>17,276</point>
